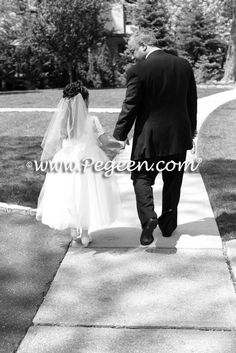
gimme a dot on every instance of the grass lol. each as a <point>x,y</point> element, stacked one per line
<point>49,98</point>
<point>18,184</point>
<point>217,148</point>
<point>98,98</point>
<point>21,136</point>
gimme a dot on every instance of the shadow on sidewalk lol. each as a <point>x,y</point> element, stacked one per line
<point>129,237</point>
<point>30,255</point>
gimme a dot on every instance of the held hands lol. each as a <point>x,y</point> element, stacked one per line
<point>113,147</point>
<point>111,154</point>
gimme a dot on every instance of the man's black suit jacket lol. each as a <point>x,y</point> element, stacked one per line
<point>161,99</point>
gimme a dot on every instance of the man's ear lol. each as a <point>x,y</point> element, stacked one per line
<point>144,47</point>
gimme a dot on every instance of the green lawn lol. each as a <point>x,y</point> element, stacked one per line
<point>49,98</point>
<point>217,148</point>
<point>98,98</point>
<point>21,135</point>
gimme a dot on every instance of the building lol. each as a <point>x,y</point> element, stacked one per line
<point>119,24</point>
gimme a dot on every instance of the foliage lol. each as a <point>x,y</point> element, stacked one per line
<point>64,40</point>
<point>154,15</point>
<point>68,29</point>
<point>198,42</point>
<point>10,24</point>
<point>121,66</point>
<point>230,65</point>
<point>206,70</point>
<point>101,70</point>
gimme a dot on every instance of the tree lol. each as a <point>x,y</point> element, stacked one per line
<point>229,12</point>
<point>175,9</point>
<point>68,29</point>
<point>153,15</point>
<point>101,71</point>
<point>224,11</point>
<point>10,31</point>
<point>193,31</point>
<point>198,41</point>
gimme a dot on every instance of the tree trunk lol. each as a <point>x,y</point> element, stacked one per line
<point>230,64</point>
<point>90,74</point>
<point>69,69</point>
<point>233,36</point>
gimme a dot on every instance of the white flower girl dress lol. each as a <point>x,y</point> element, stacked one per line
<point>76,199</point>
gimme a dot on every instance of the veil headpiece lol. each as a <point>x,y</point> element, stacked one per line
<point>68,122</point>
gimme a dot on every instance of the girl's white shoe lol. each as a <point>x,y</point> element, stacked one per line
<point>75,234</point>
<point>85,239</point>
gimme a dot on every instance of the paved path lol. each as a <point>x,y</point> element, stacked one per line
<point>116,296</point>
<point>30,255</point>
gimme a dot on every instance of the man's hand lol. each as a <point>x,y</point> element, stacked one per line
<point>193,150</point>
<point>126,142</point>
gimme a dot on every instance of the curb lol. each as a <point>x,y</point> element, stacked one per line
<point>21,91</point>
<point>52,110</point>
<point>17,209</point>
<point>217,85</point>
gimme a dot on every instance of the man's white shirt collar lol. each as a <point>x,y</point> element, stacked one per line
<point>151,51</point>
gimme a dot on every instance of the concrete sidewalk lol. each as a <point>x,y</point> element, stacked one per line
<point>174,296</point>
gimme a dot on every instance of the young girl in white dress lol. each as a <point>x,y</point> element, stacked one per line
<point>82,200</point>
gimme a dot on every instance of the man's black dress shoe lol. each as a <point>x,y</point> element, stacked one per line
<point>167,234</point>
<point>146,236</point>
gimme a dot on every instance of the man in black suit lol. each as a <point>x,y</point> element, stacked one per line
<point>161,99</point>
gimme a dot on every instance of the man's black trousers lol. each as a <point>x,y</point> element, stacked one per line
<point>143,180</point>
